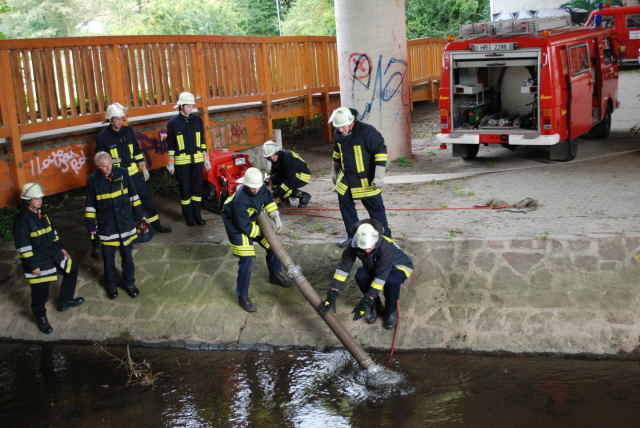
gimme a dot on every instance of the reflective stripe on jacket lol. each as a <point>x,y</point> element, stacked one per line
<point>112,207</point>
<point>122,146</point>
<point>358,154</point>
<point>185,139</point>
<point>239,215</point>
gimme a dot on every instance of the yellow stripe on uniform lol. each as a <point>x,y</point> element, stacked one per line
<point>271,206</point>
<point>357,151</point>
<point>303,176</point>
<point>380,157</point>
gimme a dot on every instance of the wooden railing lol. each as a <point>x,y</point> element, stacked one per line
<point>48,84</point>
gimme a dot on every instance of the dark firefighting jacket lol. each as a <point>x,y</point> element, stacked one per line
<point>289,172</point>
<point>122,146</point>
<point>240,212</point>
<point>113,207</point>
<point>39,246</point>
<point>358,154</point>
<point>185,139</point>
<point>385,257</point>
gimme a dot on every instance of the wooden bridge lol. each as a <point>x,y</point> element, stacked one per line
<point>54,93</point>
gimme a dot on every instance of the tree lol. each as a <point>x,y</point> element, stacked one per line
<point>588,5</point>
<point>439,18</point>
<point>4,7</point>
<point>310,17</point>
<point>179,17</point>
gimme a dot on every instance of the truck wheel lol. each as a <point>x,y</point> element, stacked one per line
<point>564,151</point>
<point>465,151</point>
<point>602,129</point>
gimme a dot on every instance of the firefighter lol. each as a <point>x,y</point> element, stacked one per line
<point>43,257</point>
<point>358,169</point>
<point>384,268</point>
<point>114,216</point>
<point>120,142</point>
<point>289,172</point>
<point>187,154</point>
<point>239,216</point>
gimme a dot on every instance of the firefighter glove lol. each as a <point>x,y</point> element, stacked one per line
<point>364,307</point>
<point>329,303</point>
<point>207,162</point>
<point>145,172</point>
<point>277,223</point>
<point>335,170</point>
<point>171,165</point>
<point>378,180</point>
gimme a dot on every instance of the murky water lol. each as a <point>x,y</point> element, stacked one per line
<point>74,386</point>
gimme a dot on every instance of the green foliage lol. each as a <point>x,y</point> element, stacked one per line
<point>403,162</point>
<point>310,18</point>
<point>589,5</point>
<point>6,222</point>
<point>439,18</point>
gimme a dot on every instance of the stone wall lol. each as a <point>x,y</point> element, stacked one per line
<point>543,295</point>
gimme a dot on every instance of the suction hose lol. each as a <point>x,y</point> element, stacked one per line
<point>295,272</point>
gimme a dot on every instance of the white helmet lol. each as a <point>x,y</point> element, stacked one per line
<point>269,148</point>
<point>115,110</point>
<point>252,178</point>
<point>31,191</point>
<point>341,116</point>
<point>366,236</point>
<point>185,98</point>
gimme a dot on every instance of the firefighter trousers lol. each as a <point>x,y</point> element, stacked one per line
<point>145,197</point>
<point>245,267</point>
<point>391,289</point>
<point>40,291</point>
<point>190,186</point>
<point>128,267</point>
<point>374,206</point>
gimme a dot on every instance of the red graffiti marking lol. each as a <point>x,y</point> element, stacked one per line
<point>359,65</point>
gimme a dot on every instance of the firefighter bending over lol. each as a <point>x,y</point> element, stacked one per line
<point>384,268</point>
<point>43,256</point>
<point>114,216</point>
<point>289,172</point>
<point>120,142</point>
<point>239,215</point>
<point>358,169</point>
<point>187,155</point>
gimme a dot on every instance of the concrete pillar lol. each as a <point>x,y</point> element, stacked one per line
<point>373,67</point>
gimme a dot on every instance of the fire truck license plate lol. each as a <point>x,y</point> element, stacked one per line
<point>240,161</point>
<point>492,47</point>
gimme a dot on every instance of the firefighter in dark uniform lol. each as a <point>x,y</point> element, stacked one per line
<point>187,155</point>
<point>358,169</point>
<point>114,215</point>
<point>43,257</point>
<point>120,142</point>
<point>384,268</point>
<point>239,215</point>
<point>289,172</point>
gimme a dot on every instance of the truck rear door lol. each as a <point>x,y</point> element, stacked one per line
<point>580,90</point>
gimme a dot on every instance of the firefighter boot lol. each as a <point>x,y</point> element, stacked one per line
<point>73,303</point>
<point>245,303</point>
<point>304,200</point>
<point>158,227</point>
<point>132,291</point>
<point>199,220</point>
<point>390,321</point>
<point>279,279</point>
<point>43,324</point>
<point>376,308</point>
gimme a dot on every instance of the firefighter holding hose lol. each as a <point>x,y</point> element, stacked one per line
<point>239,215</point>
<point>384,268</point>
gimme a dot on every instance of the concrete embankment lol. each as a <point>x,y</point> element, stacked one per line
<point>540,295</point>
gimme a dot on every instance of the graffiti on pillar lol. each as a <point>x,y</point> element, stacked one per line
<point>152,145</point>
<point>64,159</point>
<point>383,85</point>
<point>230,134</point>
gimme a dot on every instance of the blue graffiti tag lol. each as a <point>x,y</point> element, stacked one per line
<point>382,90</point>
<point>148,144</point>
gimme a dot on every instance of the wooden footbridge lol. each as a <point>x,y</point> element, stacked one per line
<point>54,93</point>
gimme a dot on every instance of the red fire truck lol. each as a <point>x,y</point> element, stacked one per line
<point>625,21</point>
<point>536,82</point>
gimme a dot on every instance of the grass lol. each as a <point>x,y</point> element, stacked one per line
<point>403,162</point>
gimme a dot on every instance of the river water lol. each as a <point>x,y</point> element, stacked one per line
<point>56,385</point>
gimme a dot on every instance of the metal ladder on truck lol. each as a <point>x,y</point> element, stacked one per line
<point>513,26</point>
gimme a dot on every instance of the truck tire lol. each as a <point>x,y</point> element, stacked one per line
<point>465,151</point>
<point>602,129</point>
<point>564,151</point>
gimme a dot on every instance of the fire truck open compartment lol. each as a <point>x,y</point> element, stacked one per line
<point>495,91</point>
